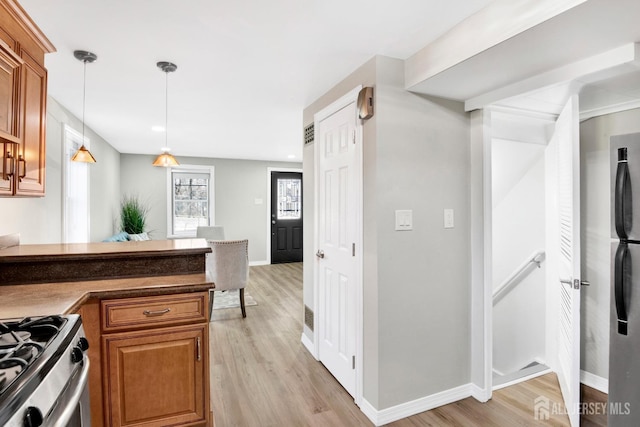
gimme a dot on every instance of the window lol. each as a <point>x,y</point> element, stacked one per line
<point>289,198</point>
<point>75,190</point>
<point>190,200</point>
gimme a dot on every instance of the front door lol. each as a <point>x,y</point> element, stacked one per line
<point>286,217</point>
<point>336,268</point>
<point>567,136</point>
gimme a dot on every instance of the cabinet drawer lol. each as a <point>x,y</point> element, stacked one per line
<point>135,313</point>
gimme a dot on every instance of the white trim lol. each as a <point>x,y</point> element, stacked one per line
<point>349,98</point>
<point>482,395</point>
<point>407,409</point>
<point>269,170</point>
<point>594,381</point>
<point>257,263</point>
<point>212,196</point>
<point>609,109</point>
<point>306,342</point>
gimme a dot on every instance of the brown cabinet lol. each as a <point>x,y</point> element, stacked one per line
<point>156,377</point>
<point>23,100</point>
<point>151,366</point>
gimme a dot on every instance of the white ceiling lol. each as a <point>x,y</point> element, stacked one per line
<point>246,68</point>
<point>578,51</point>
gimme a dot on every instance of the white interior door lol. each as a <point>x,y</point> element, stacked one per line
<point>337,231</point>
<point>567,134</point>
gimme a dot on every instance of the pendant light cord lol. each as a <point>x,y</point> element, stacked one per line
<point>166,110</point>
<point>84,97</point>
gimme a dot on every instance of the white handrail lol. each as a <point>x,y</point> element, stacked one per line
<point>510,282</point>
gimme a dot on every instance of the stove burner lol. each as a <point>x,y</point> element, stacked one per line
<point>21,342</point>
<point>10,339</point>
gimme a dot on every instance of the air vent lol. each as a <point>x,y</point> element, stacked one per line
<point>308,314</point>
<point>308,134</point>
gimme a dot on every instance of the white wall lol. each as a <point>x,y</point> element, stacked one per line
<point>518,188</point>
<point>416,284</point>
<point>596,235</point>
<point>39,220</point>
<point>237,184</point>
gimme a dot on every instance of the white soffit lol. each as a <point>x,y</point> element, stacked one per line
<point>594,27</point>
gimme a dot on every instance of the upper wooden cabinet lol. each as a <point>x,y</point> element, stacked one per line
<point>23,102</point>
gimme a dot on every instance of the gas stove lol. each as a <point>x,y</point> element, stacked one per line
<point>43,372</point>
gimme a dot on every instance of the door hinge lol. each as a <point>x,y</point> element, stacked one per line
<point>353,136</point>
<point>353,362</point>
<point>353,249</point>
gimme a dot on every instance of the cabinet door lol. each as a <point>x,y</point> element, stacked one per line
<point>33,104</point>
<point>156,377</point>
<point>9,69</point>
<point>9,66</point>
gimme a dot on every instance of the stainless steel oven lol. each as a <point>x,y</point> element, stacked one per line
<point>44,372</point>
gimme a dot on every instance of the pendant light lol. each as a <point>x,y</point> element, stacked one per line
<point>84,155</point>
<point>165,159</point>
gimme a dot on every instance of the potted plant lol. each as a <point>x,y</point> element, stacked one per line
<point>133,218</point>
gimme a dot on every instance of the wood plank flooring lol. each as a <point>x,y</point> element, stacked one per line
<point>262,376</point>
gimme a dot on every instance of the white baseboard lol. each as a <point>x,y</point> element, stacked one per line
<point>308,344</point>
<point>594,381</point>
<point>389,415</point>
<point>256,263</point>
<point>482,395</point>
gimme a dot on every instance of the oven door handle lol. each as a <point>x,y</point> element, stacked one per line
<point>79,388</point>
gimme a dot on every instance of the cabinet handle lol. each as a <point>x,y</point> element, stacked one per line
<point>156,313</point>
<point>198,350</point>
<point>7,169</point>
<point>24,167</point>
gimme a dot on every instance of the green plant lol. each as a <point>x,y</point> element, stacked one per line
<point>133,215</point>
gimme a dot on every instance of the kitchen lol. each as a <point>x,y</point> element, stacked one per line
<point>44,214</point>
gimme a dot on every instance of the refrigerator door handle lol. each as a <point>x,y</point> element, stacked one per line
<point>621,276</point>
<point>623,208</point>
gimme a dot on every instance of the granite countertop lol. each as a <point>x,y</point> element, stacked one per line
<point>66,297</point>
<point>46,279</point>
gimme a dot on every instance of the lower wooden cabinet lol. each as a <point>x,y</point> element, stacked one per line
<point>149,360</point>
<point>156,377</point>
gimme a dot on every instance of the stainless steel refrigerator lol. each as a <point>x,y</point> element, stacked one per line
<point>624,338</point>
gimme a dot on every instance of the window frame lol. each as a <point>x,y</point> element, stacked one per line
<point>71,172</point>
<point>196,169</point>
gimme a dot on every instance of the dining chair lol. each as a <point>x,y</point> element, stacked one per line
<point>213,232</point>
<point>228,268</point>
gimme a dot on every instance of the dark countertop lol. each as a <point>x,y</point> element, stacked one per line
<point>58,278</point>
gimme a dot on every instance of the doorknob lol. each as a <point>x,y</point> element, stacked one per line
<point>320,254</point>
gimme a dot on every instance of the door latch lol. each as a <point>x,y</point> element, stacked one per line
<point>575,283</point>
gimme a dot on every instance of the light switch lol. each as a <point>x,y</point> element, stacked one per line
<point>257,201</point>
<point>448,218</point>
<point>404,220</point>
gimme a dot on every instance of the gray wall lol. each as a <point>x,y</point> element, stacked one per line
<point>416,284</point>
<point>237,184</point>
<point>39,220</point>
<point>595,233</point>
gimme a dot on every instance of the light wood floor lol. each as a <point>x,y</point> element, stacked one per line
<point>262,376</point>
